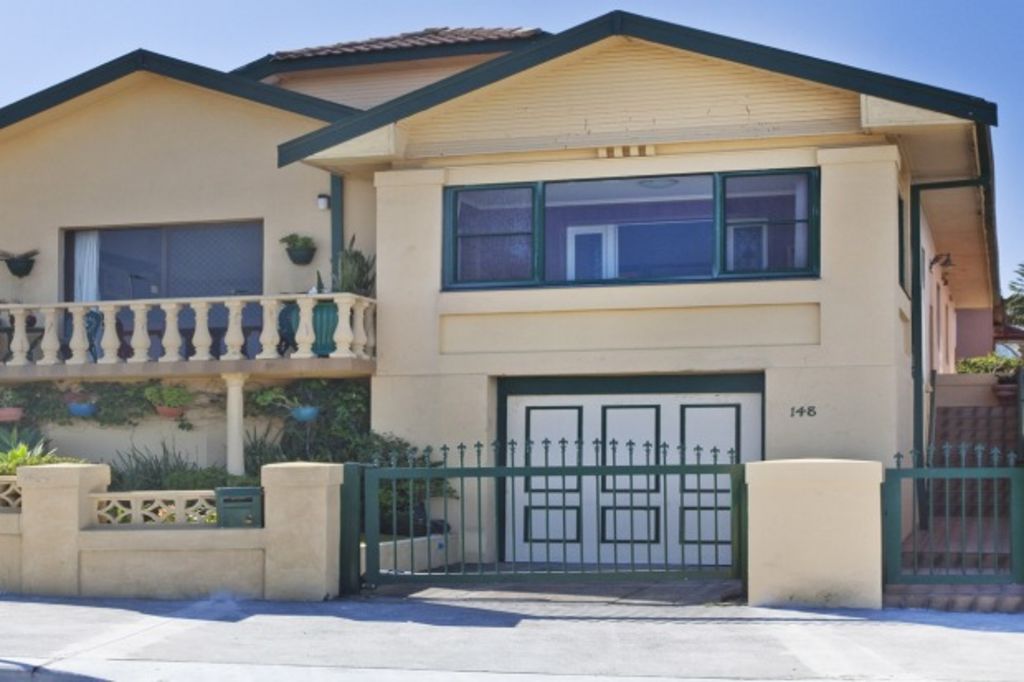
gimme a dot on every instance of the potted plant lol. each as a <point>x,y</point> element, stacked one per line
<point>170,401</point>
<point>80,404</point>
<point>299,408</point>
<point>11,409</point>
<point>300,248</point>
<point>20,264</point>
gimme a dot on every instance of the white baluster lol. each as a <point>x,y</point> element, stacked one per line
<point>343,332</point>
<point>19,341</point>
<point>49,345</point>
<point>359,328</point>
<point>110,342</point>
<point>172,336</point>
<point>234,339</point>
<point>202,339</point>
<point>268,335</point>
<point>304,334</point>
<point>79,343</point>
<point>140,333</point>
<point>371,329</point>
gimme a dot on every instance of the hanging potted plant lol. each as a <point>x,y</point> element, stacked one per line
<point>11,407</point>
<point>19,264</point>
<point>300,248</point>
<point>168,400</point>
<point>80,404</point>
<point>300,408</point>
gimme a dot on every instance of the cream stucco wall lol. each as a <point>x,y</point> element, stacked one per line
<point>814,535</point>
<point>832,341</point>
<point>160,151</point>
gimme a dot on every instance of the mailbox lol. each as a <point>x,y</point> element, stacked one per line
<point>240,507</point>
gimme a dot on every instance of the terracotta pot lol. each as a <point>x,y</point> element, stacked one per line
<point>11,414</point>
<point>170,412</point>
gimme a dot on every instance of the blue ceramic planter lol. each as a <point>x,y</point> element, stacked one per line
<point>83,410</point>
<point>305,413</point>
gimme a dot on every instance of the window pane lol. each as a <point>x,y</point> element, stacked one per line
<point>767,223</point>
<point>588,249</point>
<point>495,211</point>
<point>662,250</point>
<point>215,260</point>
<point>495,259</point>
<point>130,264</point>
<point>494,235</point>
<point>654,228</point>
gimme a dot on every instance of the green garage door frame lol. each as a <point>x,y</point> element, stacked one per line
<point>750,382</point>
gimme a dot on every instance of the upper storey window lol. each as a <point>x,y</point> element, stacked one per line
<point>645,229</point>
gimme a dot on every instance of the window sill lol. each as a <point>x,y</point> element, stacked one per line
<point>666,294</point>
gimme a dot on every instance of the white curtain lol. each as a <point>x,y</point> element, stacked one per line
<point>87,265</point>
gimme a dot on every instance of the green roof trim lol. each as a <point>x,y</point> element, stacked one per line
<point>144,60</point>
<point>672,35</point>
<point>269,66</point>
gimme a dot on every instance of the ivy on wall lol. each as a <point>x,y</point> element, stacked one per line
<point>117,404</point>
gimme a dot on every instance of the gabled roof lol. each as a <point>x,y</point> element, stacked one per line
<point>426,44</point>
<point>655,31</point>
<point>143,60</point>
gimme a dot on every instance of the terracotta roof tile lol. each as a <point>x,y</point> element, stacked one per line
<point>428,37</point>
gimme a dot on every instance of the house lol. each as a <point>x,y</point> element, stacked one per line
<point>627,231</point>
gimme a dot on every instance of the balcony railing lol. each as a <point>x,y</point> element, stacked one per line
<point>302,326</point>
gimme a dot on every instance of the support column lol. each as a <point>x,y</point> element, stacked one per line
<point>235,416</point>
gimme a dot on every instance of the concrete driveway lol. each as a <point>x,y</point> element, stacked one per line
<point>581,632</point>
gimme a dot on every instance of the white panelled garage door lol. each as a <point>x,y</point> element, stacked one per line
<point>625,519</point>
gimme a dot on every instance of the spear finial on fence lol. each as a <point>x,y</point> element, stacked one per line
<point>979,454</point>
<point>697,450</point>
<point>947,450</point>
<point>1011,459</point>
<point>731,452</point>
<point>996,456</point>
<point>899,460</point>
<point>714,454</point>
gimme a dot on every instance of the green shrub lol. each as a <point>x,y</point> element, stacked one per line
<point>166,395</point>
<point>989,364</point>
<point>9,397</point>
<point>13,436</point>
<point>168,469</point>
<point>22,456</point>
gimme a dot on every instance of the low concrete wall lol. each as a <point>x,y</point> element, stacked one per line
<point>53,547</point>
<point>965,390</point>
<point>412,555</point>
<point>815,533</point>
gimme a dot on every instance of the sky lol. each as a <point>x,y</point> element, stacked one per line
<point>972,47</point>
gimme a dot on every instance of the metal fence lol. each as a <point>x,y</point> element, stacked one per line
<point>955,514</point>
<point>554,509</point>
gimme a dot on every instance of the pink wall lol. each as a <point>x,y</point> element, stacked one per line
<point>973,332</point>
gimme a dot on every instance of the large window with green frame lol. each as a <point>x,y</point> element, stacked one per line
<point>641,229</point>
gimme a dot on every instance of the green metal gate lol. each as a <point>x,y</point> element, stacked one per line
<point>955,515</point>
<point>451,515</point>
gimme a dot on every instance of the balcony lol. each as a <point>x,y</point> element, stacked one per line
<point>325,335</point>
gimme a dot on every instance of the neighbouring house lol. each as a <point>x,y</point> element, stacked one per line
<point>627,231</point>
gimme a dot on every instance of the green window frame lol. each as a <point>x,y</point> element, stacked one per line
<point>719,272</point>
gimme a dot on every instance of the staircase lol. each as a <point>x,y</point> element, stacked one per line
<point>982,598</point>
<point>969,532</point>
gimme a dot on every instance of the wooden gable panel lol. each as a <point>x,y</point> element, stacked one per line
<point>628,91</point>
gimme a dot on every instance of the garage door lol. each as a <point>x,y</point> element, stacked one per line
<point>635,517</point>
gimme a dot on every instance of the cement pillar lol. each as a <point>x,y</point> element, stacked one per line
<point>235,423</point>
<point>814,533</point>
<point>55,506</point>
<point>302,529</point>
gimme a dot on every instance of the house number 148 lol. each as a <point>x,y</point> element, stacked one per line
<point>803,411</point>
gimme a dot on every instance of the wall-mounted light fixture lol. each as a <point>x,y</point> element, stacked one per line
<point>943,260</point>
<point>323,201</point>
